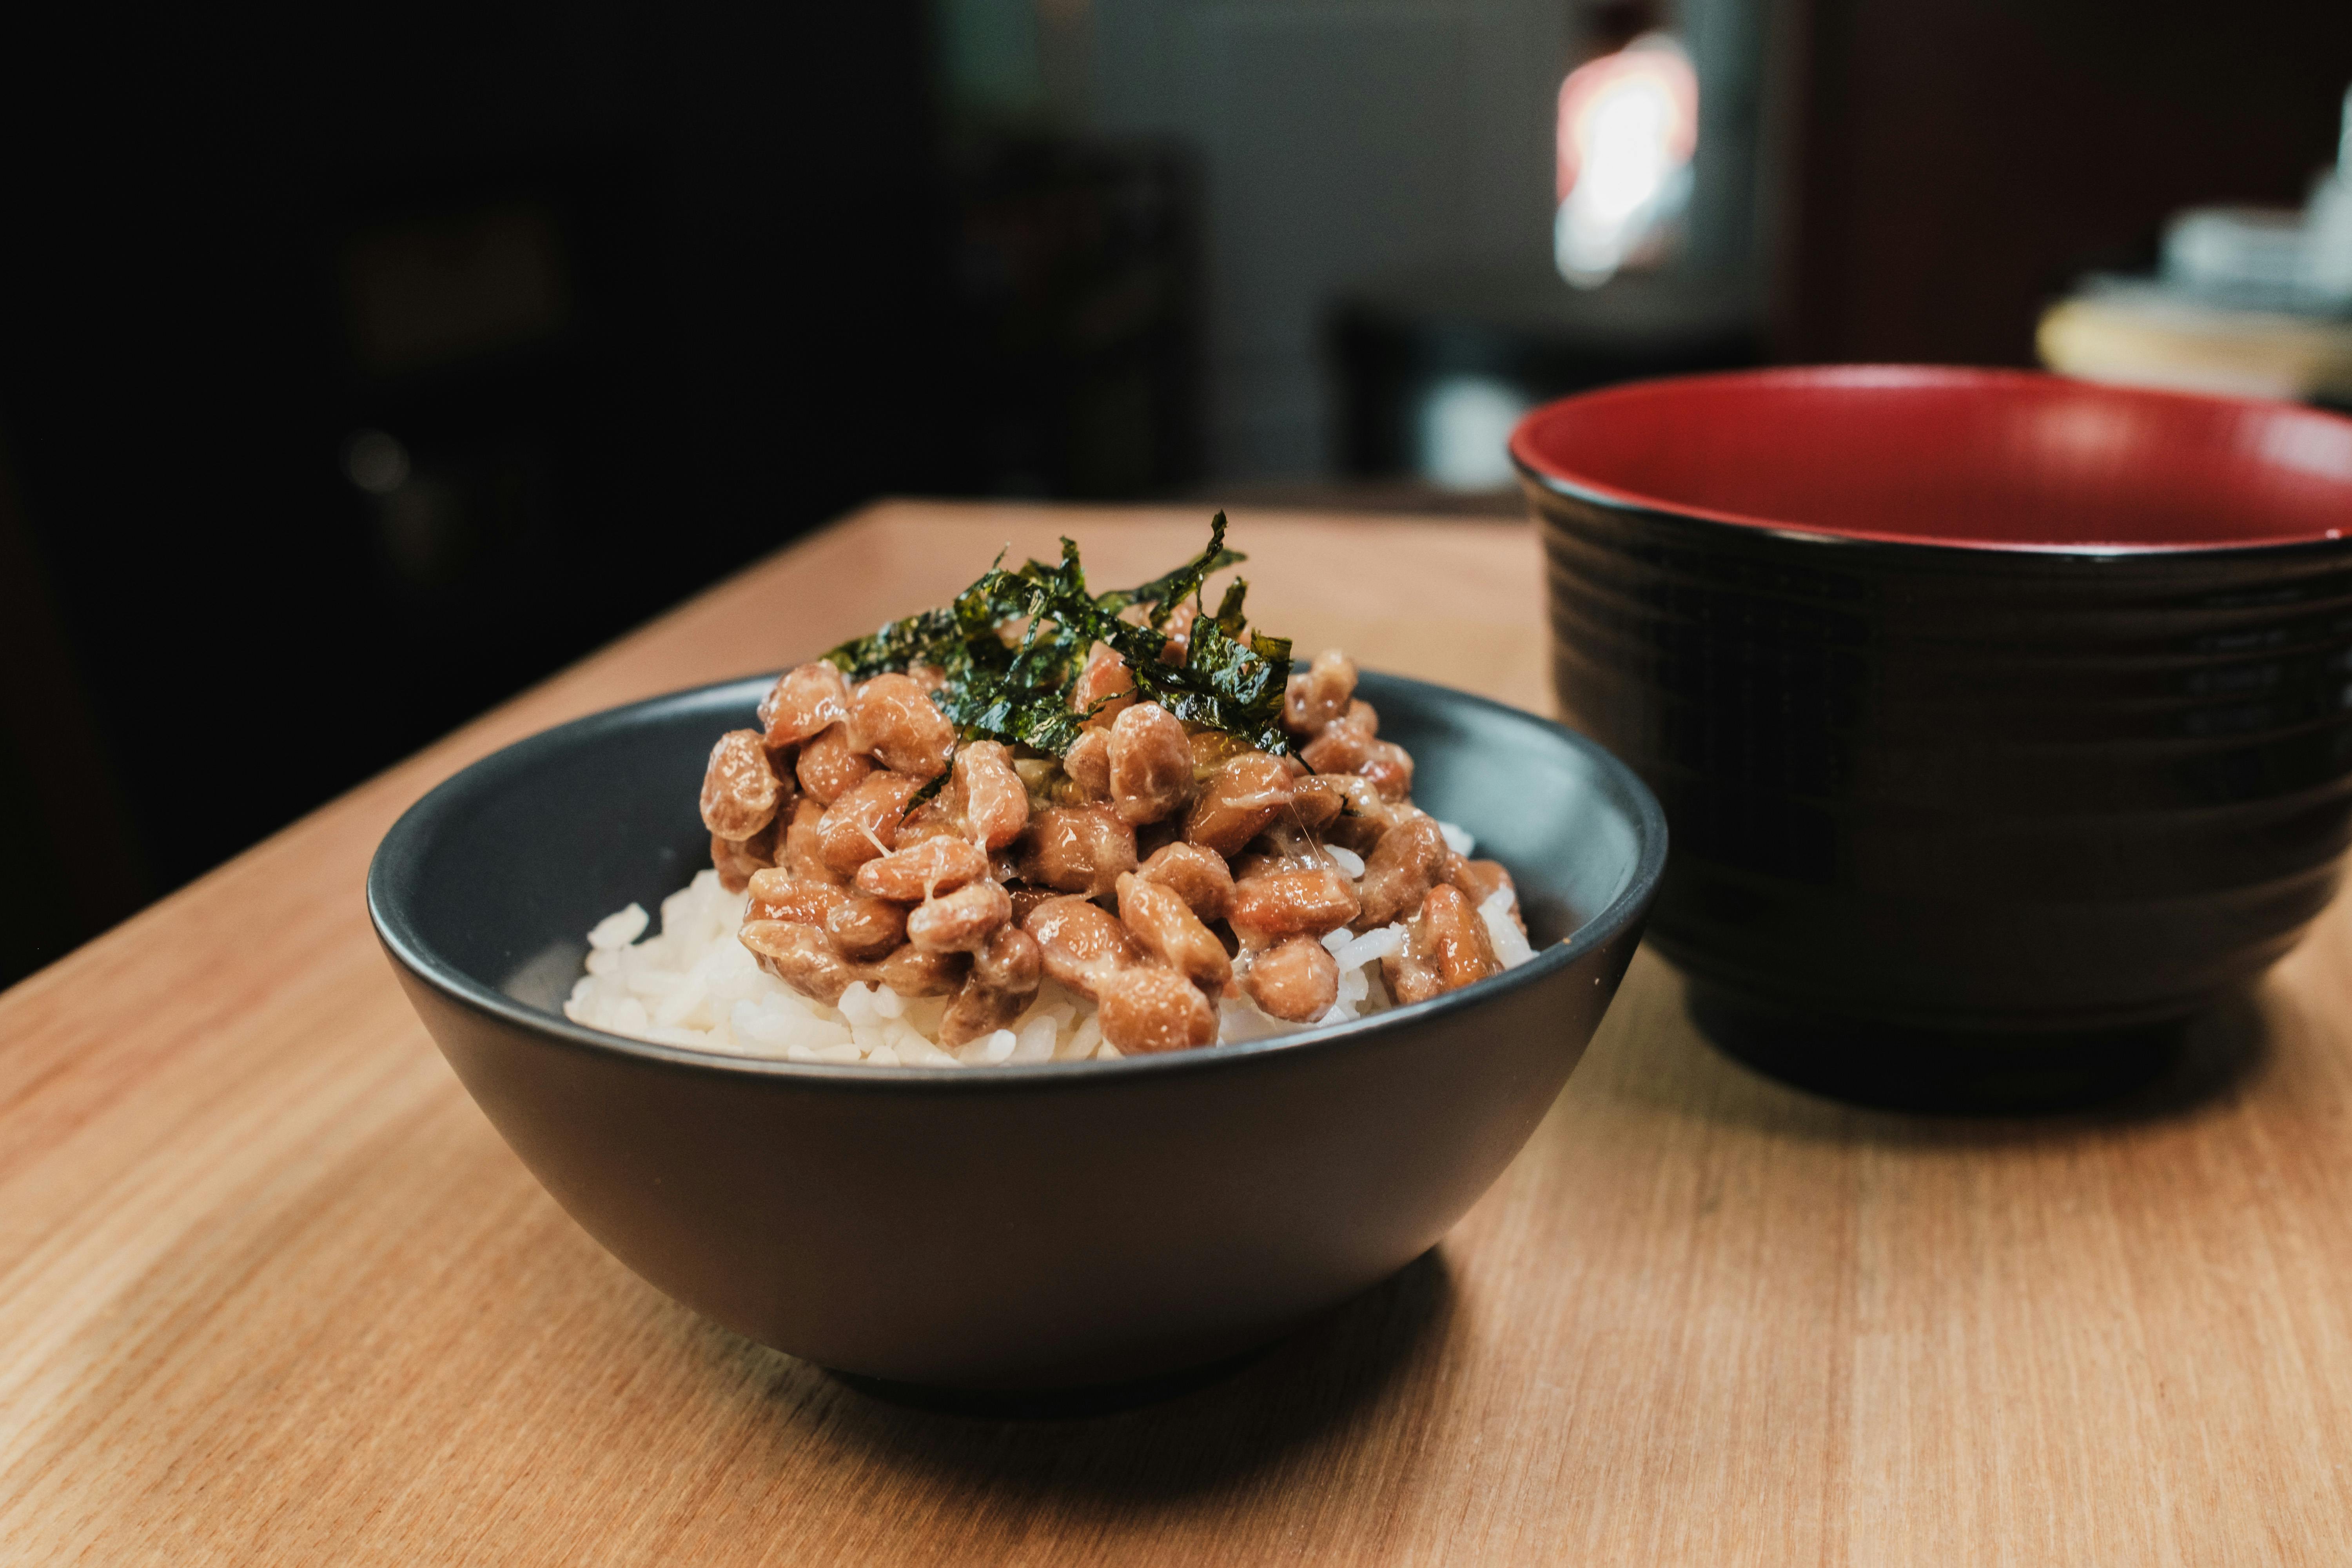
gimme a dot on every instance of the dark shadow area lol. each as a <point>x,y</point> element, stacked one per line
<point>2094,1083</point>
<point>1166,1437</point>
<point>358,374</point>
<point>1051,1404</point>
<point>1953,1072</point>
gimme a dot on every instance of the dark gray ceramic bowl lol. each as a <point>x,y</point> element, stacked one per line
<point>1046,1226</point>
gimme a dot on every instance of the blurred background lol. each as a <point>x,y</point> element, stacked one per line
<point>357,371</point>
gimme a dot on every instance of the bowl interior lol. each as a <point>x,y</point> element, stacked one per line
<point>1987,458</point>
<point>489,884</point>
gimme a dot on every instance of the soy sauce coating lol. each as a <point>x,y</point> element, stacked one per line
<point>1156,867</point>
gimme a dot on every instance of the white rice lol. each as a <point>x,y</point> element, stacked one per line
<point>694,984</point>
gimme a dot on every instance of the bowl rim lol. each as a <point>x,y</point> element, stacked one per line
<point>1537,470</point>
<point>406,840</point>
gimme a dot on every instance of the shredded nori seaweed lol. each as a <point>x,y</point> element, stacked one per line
<point>1020,691</point>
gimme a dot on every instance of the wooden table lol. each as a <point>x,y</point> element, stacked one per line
<point>271,1290</point>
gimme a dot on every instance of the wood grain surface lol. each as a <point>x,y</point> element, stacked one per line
<point>272,1291</point>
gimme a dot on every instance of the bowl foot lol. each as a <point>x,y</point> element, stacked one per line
<point>1047,1404</point>
<point>1953,1071</point>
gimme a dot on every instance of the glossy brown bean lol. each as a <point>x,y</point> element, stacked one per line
<point>1076,849</point>
<point>995,802</point>
<point>1436,944</point>
<point>803,702</point>
<point>1297,979</point>
<point>1151,764</point>
<point>736,862</point>
<point>1235,805</point>
<point>1456,939</point>
<point>937,817</point>
<point>802,956</point>
<point>1009,961</point>
<point>1446,948</point>
<point>1409,976</point>
<point>1211,750</point>
<point>866,927</point>
<point>1390,767</point>
<point>1406,862</point>
<point>1105,686</point>
<point>894,718</point>
<point>1200,877</point>
<point>777,895</point>
<point>1353,832</point>
<point>1080,943</point>
<point>788,785</point>
<point>1338,750</point>
<point>977,1009</point>
<point>1150,1008</point>
<point>1272,905</point>
<point>1314,699</point>
<point>1364,813</point>
<point>803,844</point>
<point>962,921</point>
<point>1026,899</point>
<point>913,972</point>
<point>830,766</point>
<point>1086,769</point>
<point>1285,846</point>
<point>863,824</point>
<point>739,791</point>
<point>1360,797</point>
<point>922,870</point>
<point>1316,803</point>
<point>1482,879</point>
<point>1346,741</point>
<point>1164,926</point>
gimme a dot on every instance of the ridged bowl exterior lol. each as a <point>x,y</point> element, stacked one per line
<point>1960,788</point>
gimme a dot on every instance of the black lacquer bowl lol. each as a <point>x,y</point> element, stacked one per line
<point>1058,1226</point>
<point>1990,709</point>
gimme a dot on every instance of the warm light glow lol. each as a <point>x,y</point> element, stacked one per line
<point>1628,126</point>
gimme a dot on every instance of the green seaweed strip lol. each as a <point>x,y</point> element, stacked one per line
<point>1020,690</point>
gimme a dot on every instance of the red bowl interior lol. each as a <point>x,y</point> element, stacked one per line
<point>1999,459</point>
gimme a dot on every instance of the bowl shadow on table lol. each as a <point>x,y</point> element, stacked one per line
<point>2168,1072</point>
<point>2135,1071</point>
<point>1163,1441</point>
